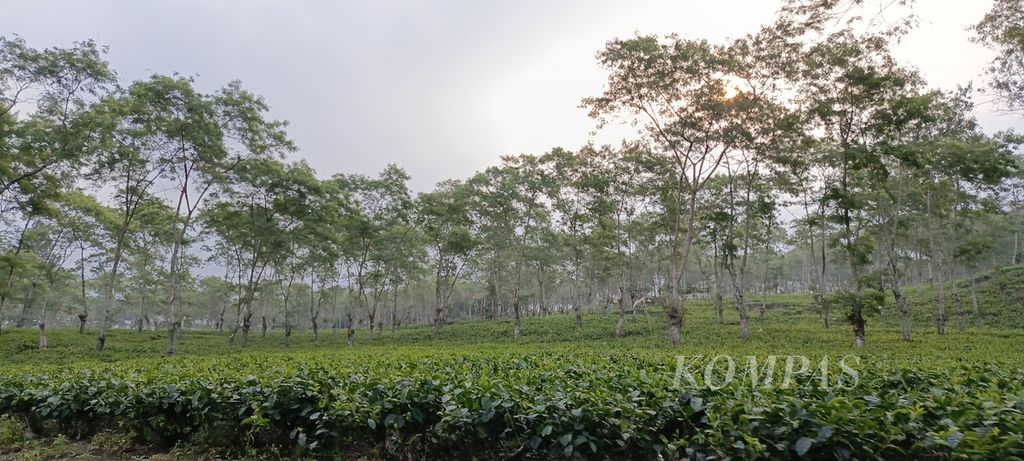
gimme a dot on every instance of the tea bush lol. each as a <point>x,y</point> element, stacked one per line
<point>500,404</point>
<point>558,392</point>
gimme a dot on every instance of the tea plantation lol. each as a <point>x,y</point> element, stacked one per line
<point>558,392</point>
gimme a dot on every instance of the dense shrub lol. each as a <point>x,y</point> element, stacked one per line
<point>591,405</point>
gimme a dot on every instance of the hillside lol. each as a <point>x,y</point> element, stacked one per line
<point>1000,296</point>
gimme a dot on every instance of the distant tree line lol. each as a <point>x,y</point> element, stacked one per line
<point>800,158</point>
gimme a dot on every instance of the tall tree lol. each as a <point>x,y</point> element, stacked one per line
<point>210,135</point>
<point>444,216</point>
<point>677,89</point>
<point>259,214</point>
<point>46,129</point>
<point>506,203</point>
<point>1002,29</point>
<point>853,90</point>
<point>383,205</point>
<point>135,155</point>
<point>85,219</point>
<point>146,254</point>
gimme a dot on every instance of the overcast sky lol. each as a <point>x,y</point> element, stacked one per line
<point>442,87</point>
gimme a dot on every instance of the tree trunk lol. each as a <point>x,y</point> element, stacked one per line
<point>741,307</point>
<point>142,309</point>
<point>264,296</point>
<point>744,312</point>
<point>934,257</point>
<point>334,309</point>
<point>622,313</point>
<point>961,315</point>
<point>767,272</point>
<point>84,314</point>
<point>901,303</point>
<point>677,312</point>
<point>394,311</point>
<point>314,313</point>
<point>108,292</point>
<point>248,297</point>
<point>496,278</point>
<point>234,330</point>
<point>826,315</point>
<point>974,302</point>
<point>246,328</point>
<point>1015,258</point>
<point>518,322</point>
<point>578,305</point>
<point>42,335</point>
<point>857,314</point>
<point>287,322</point>
<point>897,291</point>
<point>42,322</point>
<point>822,282</point>
<point>438,315</point>
<point>540,296</point>
<point>220,315</point>
<point>172,346</point>
<point>10,271</point>
<point>738,295</point>
<point>351,334</point>
<point>717,296</point>
<point>287,312</point>
<point>941,320</point>
<point>175,322</point>
<point>675,321</point>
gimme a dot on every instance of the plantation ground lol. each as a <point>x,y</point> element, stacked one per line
<point>557,392</point>
<point>784,332</point>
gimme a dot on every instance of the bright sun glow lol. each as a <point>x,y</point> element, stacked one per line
<point>731,86</point>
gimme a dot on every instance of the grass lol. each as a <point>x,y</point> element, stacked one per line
<point>780,334</point>
<point>791,326</point>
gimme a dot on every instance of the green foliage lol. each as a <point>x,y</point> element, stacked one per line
<point>1000,297</point>
<point>872,299</point>
<point>558,392</point>
<point>1001,30</point>
<point>619,405</point>
<point>12,434</point>
<point>885,170</point>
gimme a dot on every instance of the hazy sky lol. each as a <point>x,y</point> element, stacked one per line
<point>442,87</point>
